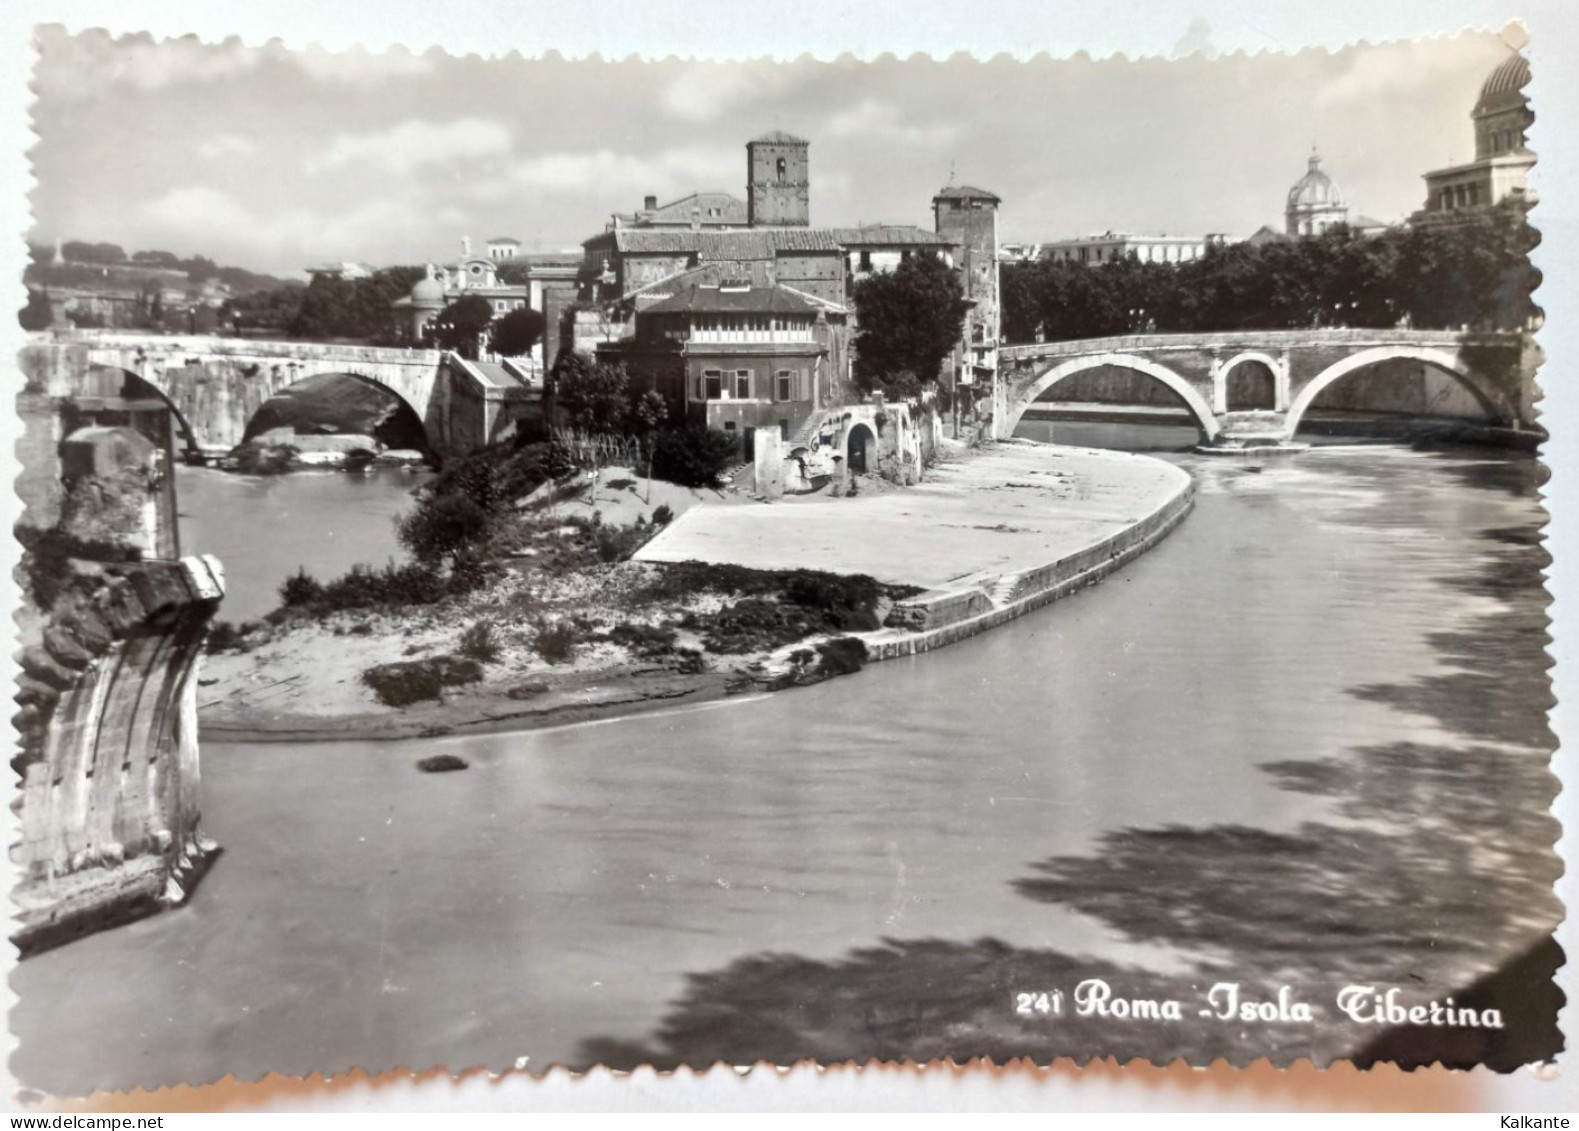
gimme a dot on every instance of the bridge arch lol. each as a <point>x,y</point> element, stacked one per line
<point>1205,419</point>
<point>135,383</point>
<point>321,376</point>
<point>1491,399</point>
<point>1226,400</point>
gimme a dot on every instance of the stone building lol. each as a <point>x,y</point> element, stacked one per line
<point>639,262</point>
<point>778,181</point>
<point>1316,203</point>
<point>548,284</point>
<point>1109,247</point>
<point>1499,174</point>
<point>968,218</point>
<point>730,348</point>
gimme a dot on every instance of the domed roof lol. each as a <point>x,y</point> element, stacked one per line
<point>1315,189</point>
<point>1502,88</point>
<point>428,291</point>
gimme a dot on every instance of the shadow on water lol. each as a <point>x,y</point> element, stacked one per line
<point>1432,872</point>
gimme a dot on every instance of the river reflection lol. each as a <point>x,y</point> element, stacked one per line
<point>1236,755</point>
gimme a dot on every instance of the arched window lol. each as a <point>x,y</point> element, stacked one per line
<point>782,168</point>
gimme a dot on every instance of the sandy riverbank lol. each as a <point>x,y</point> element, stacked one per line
<point>983,523</point>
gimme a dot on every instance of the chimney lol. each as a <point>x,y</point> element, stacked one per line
<point>696,219</point>
<point>650,203</point>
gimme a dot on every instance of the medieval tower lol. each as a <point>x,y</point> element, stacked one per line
<point>969,217</point>
<point>778,182</point>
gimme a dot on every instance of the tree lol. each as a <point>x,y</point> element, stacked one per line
<point>516,333</point>
<point>906,321</point>
<point>37,314</point>
<point>461,325</point>
<point>591,394</point>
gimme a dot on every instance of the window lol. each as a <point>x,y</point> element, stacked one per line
<point>785,380</point>
<point>743,384</point>
<point>866,261</point>
<point>712,385</point>
<point>782,168</point>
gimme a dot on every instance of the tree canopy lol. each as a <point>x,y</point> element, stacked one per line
<point>1472,273</point>
<point>907,321</point>
<point>591,394</point>
<point>517,332</point>
<point>460,326</point>
<point>351,308</point>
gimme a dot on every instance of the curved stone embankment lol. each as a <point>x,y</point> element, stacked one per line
<point>946,616</point>
<point>988,536</point>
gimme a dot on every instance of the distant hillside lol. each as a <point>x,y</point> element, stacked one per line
<point>107,266</point>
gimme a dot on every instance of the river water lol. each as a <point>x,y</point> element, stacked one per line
<point>266,527</point>
<point>558,900</point>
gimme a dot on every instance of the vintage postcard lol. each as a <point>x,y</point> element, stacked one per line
<point>537,561</point>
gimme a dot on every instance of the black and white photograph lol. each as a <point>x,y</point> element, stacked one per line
<point>538,560</point>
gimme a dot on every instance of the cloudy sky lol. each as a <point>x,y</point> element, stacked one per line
<point>273,159</point>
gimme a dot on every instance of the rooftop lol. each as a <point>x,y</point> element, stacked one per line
<point>730,297</point>
<point>966,192</point>
<point>889,234</point>
<point>778,137</point>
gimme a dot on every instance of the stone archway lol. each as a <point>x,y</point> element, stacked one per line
<point>1491,399</point>
<point>322,391</point>
<point>1249,384</point>
<point>1205,419</point>
<point>859,444</point>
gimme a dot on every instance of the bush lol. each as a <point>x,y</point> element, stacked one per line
<point>443,524</point>
<point>222,635</point>
<point>478,643</point>
<point>663,516</point>
<point>301,588</point>
<point>556,643</point>
<point>692,456</point>
<point>411,681</point>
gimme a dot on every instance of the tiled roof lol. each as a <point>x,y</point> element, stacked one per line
<point>746,243</point>
<point>891,235</point>
<point>779,137</point>
<point>745,300</point>
<point>731,209</point>
<point>966,192</point>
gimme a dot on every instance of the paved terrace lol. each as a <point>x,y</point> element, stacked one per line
<point>1014,507</point>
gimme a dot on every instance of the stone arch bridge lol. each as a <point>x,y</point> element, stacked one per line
<point>216,385</point>
<point>1497,370</point>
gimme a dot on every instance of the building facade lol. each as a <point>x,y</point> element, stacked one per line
<point>1499,174</point>
<point>737,353</point>
<point>1108,247</point>
<point>778,181</point>
<point>968,218</point>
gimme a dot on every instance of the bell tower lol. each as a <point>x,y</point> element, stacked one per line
<point>778,182</point>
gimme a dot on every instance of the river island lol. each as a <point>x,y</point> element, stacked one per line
<point>630,595</point>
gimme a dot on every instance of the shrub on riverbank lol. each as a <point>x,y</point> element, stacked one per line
<point>411,681</point>
<point>692,456</point>
<point>478,643</point>
<point>556,643</point>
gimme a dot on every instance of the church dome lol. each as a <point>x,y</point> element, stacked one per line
<point>428,292</point>
<point>1503,88</point>
<point>1315,189</point>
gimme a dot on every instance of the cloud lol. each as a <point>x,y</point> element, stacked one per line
<point>874,119</point>
<point>360,68</point>
<point>672,171</point>
<point>77,67</point>
<point>199,216</point>
<point>704,91</point>
<point>226,145</point>
<point>1398,68</point>
<point>414,143</point>
<point>87,65</point>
